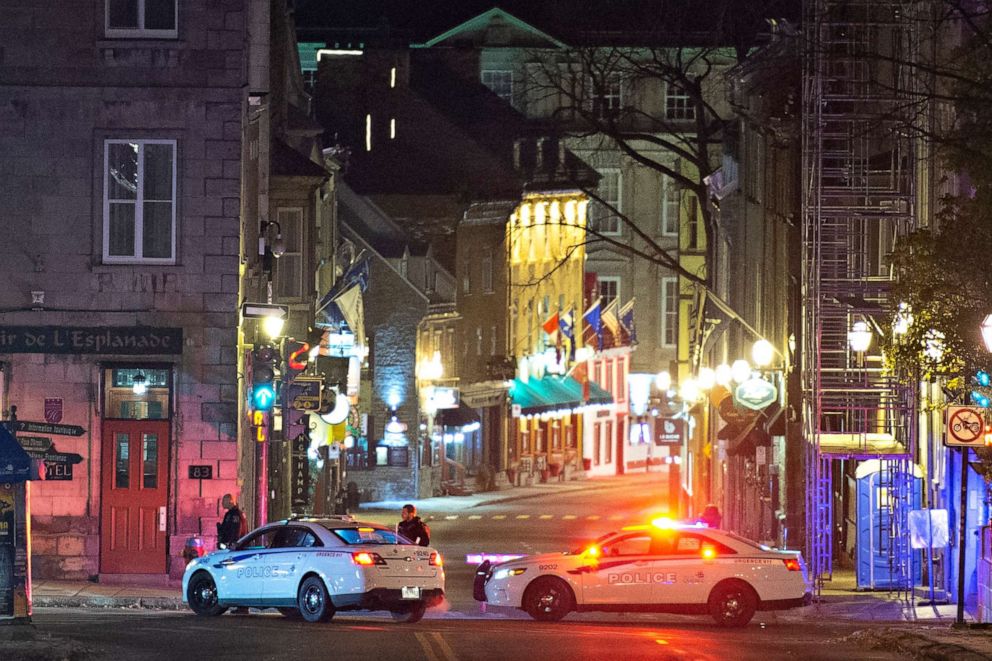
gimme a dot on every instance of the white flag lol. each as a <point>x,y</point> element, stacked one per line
<point>353,311</point>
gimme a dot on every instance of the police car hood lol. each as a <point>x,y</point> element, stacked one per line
<point>536,558</point>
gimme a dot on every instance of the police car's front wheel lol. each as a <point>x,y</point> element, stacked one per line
<point>548,599</point>
<point>733,603</point>
<point>202,595</point>
<point>314,602</point>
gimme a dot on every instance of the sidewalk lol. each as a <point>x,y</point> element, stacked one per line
<point>481,499</point>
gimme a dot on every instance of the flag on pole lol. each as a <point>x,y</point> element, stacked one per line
<point>353,311</point>
<point>593,319</point>
<point>627,320</point>
<point>580,372</point>
<point>550,325</point>
<point>610,321</point>
<point>566,332</point>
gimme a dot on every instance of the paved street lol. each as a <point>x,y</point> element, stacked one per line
<point>156,635</point>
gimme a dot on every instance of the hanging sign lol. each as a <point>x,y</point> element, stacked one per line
<point>755,394</point>
<point>669,431</point>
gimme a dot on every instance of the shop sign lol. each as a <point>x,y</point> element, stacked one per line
<point>113,340</point>
<point>669,431</point>
<point>442,398</point>
<point>58,472</point>
<point>300,463</point>
<point>53,410</point>
<point>755,394</point>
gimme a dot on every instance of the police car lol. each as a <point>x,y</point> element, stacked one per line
<point>310,568</point>
<point>659,567</point>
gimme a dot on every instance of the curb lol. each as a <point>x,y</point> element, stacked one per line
<point>99,601</point>
<point>917,646</point>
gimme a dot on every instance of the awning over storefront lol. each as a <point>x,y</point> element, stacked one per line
<point>15,464</point>
<point>458,417</point>
<point>553,393</point>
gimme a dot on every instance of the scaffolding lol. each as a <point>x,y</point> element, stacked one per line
<point>858,178</point>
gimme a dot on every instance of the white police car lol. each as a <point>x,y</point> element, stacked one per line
<point>314,567</point>
<point>661,567</point>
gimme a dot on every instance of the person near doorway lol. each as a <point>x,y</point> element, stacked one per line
<point>711,516</point>
<point>234,526</point>
<point>412,527</point>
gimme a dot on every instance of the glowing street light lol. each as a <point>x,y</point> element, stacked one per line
<point>740,371</point>
<point>859,337</point>
<point>762,353</point>
<point>987,332</point>
<point>933,345</point>
<point>723,375</point>
<point>272,326</point>
<point>706,379</point>
<point>663,381</point>
<point>689,390</point>
<point>903,319</point>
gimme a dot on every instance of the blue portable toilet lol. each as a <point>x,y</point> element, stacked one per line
<point>873,546</point>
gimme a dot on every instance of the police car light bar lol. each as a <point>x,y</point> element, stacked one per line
<point>494,558</point>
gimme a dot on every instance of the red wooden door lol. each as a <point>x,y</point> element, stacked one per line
<point>132,512</point>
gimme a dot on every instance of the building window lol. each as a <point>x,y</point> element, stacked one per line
<point>669,206</point>
<point>500,81</point>
<point>467,276</point>
<point>678,105</point>
<point>692,226</point>
<point>604,216</point>
<point>607,381</point>
<point>669,311</point>
<point>606,95</point>
<point>478,340</point>
<point>620,392</point>
<point>287,281</point>
<point>492,342</point>
<point>487,272</point>
<point>609,289</point>
<point>309,80</point>
<point>142,19</point>
<point>139,201</point>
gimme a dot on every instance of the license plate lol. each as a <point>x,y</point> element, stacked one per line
<point>409,593</point>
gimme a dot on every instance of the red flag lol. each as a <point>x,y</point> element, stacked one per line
<point>551,325</point>
<point>581,374</point>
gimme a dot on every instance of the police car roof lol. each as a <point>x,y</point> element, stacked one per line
<point>336,521</point>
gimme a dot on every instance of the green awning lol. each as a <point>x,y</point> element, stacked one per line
<point>552,393</point>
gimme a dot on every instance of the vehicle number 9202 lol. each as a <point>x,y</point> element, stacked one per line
<point>547,567</point>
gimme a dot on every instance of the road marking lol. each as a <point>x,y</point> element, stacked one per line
<point>446,650</point>
<point>451,517</point>
<point>474,517</point>
<point>425,644</point>
<point>592,517</point>
<point>568,517</point>
<point>523,516</point>
<point>499,516</point>
<point>546,516</point>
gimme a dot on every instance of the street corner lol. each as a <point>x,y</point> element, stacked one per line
<point>937,644</point>
<point>25,642</point>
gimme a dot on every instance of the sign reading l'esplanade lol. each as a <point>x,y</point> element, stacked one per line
<point>115,340</point>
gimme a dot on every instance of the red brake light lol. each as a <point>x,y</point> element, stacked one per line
<point>792,564</point>
<point>366,558</point>
<point>435,559</point>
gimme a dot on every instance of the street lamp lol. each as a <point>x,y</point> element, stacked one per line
<point>987,332</point>
<point>859,337</point>
<point>723,375</point>
<point>933,345</point>
<point>740,370</point>
<point>272,326</point>
<point>663,381</point>
<point>903,319</point>
<point>689,391</point>
<point>762,353</point>
<point>706,379</point>
<point>139,384</point>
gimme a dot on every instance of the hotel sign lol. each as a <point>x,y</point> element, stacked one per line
<point>112,340</point>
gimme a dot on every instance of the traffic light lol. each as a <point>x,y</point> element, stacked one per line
<point>263,376</point>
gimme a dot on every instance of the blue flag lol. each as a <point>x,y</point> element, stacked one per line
<point>566,328</point>
<point>627,320</point>
<point>357,274</point>
<point>594,320</point>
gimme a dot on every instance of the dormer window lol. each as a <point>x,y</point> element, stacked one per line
<point>142,19</point>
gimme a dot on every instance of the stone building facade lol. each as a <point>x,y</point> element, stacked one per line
<point>120,155</point>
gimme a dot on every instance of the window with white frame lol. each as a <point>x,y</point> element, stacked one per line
<point>500,81</point>
<point>670,198</point>
<point>669,311</point>
<point>609,289</point>
<point>610,190</point>
<point>139,201</point>
<point>142,19</point>
<point>287,280</point>
<point>604,94</point>
<point>678,104</point>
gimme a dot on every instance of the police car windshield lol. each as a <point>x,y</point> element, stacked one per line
<point>368,536</point>
<point>596,542</point>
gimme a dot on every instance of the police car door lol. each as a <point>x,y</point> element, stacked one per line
<point>622,573</point>
<point>293,545</point>
<point>242,570</point>
<point>692,566</point>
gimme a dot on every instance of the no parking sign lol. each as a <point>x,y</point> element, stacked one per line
<point>965,426</point>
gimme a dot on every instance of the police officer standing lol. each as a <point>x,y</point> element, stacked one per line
<point>412,527</point>
<point>234,526</point>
